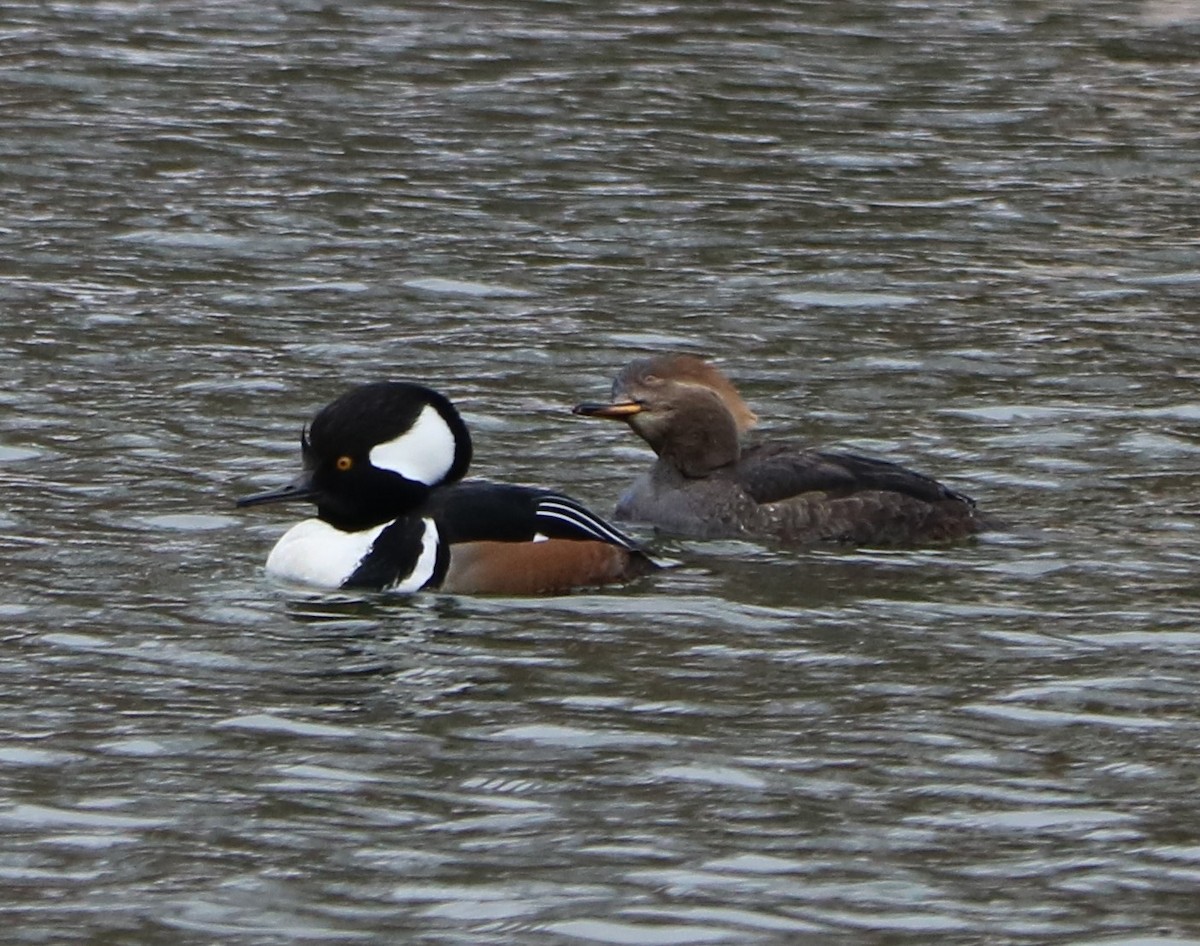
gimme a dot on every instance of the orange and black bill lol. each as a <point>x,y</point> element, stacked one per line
<point>618,411</point>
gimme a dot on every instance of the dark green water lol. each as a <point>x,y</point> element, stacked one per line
<point>962,236</point>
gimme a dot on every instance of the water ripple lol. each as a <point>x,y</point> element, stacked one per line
<point>959,237</point>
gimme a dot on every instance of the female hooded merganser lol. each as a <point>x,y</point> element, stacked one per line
<point>709,484</point>
<point>383,464</point>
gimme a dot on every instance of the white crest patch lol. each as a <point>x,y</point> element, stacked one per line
<point>313,552</point>
<point>426,563</point>
<point>424,452</point>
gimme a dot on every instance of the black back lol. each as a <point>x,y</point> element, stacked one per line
<point>479,511</point>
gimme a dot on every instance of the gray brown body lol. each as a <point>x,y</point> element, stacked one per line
<point>719,506</point>
<point>709,482</point>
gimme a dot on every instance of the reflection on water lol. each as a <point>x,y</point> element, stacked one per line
<point>961,237</point>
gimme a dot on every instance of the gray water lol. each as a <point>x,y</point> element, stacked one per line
<point>959,235</point>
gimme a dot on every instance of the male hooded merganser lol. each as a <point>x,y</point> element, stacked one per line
<point>383,464</point>
<point>708,483</point>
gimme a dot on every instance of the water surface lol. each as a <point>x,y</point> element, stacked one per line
<point>958,236</point>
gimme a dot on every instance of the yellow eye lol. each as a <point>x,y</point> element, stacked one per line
<point>344,463</point>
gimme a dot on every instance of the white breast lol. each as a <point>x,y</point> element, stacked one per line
<point>313,552</point>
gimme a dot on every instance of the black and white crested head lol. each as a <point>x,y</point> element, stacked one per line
<point>397,427</point>
<point>376,453</point>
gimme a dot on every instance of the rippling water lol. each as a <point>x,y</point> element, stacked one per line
<point>962,236</point>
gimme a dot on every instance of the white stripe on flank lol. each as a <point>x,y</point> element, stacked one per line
<point>574,523</point>
<point>586,519</point>
<point>423,453</point>
<point>426,563</point>
<point>577,516</point>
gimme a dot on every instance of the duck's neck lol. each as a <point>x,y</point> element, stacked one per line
<point>701,442</point>
<point>377,500</point>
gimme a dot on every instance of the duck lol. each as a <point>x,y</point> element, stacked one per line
<point>385,465</point>
<point>712,481</point>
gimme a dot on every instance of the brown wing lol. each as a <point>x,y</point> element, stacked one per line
<point>774,472</point>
